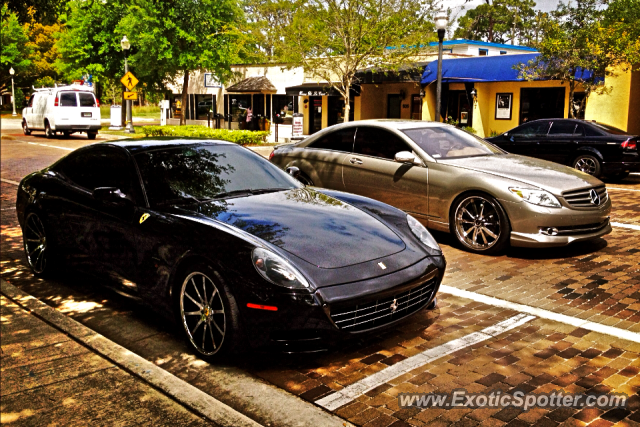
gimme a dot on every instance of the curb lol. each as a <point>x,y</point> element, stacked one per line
<point>181,391</point>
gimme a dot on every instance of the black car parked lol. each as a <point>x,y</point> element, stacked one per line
<point>236,248</point>
<point>591,147</point>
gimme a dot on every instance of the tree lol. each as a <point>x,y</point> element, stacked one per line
<point>174,38</point>
<point>265,21</point>
<point>168,40</point>
<point>44,54</point>
<point>587,44</point>
<point>43,11</point>
<point>332,39</point>
<point>15,50</point>
<point>498,21</point>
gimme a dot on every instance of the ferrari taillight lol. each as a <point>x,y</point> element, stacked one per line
<point>629,144</point>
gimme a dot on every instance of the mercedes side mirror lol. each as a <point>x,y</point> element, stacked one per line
<point>110,194</point>
<point>407,157</point>
<point>293,171</point>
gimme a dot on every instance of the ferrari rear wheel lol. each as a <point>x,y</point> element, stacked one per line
<point>37,246</point>
<point>480,224</point>
<point>208,313</point>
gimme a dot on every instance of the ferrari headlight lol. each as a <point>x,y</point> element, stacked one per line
<point>537,197</point>
<point>422,233</point>
<point>277,270</point>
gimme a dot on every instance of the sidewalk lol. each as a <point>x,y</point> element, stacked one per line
<point>50,374</point>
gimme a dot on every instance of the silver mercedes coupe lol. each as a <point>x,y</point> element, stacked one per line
<point>455,182</point>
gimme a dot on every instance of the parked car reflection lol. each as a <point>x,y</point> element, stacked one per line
<point>455,182</point>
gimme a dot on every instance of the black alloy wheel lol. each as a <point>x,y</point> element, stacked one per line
<point>480,224</point>
<point>208,313</point>
<point>588,164</point>
<point>37,246</point>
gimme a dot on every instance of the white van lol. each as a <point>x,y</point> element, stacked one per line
<point>65,109</point>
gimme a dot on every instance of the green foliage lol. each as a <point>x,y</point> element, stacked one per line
<point>451,121</point>
<point>15,50</point>
<point>241,137</point>
<point>493,133</point>
<point>498,21</point>
<point>44,55</point>
<point>43,11</point>
<point>586,37</point>
<point>20,99</point>
<point>470,130</point>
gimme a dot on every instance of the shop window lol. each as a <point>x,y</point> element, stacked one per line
<point>237,105</point>
<point>483,52</point>
<point>283,108</point>
<point>204,104</point>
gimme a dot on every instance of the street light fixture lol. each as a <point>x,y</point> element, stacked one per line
<point>13,95</point>
<point>441,24</point>
<point>125,44</point>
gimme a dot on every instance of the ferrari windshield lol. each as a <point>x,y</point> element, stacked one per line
<point>448,142</point>
<point>203,172</point>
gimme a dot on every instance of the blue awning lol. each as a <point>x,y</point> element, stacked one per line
<point>482,69</point>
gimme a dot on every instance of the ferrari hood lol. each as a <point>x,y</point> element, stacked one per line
<point>315,227</point>
<point>550,176</point>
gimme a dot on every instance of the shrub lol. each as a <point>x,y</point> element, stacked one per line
<point>241,137</point>
<point>470,130</point>
<point>493,133</point>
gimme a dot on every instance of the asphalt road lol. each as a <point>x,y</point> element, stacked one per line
<point>557,319</point>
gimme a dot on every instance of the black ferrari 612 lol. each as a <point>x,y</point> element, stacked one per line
<point>237,249</point>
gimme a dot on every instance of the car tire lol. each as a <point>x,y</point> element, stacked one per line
<point>47,131</point>
<point>92,135</point>
<point>207,312</point>
<point>479,223</point>
<point>39,247</point>
<point>25,128</point>
<point>588,164</point>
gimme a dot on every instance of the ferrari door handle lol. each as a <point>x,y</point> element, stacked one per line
<point>355,161</point>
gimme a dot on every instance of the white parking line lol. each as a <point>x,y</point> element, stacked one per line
<point>51,146</point>
<point>620,189</point>
<point>351,392</point>
<point>545,314</point>
<point>629,226</point>
<point>8,181</point>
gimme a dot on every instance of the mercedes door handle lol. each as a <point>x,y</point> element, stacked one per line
<point>355,161</point>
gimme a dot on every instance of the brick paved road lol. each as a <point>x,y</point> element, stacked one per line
<point>598,281</point>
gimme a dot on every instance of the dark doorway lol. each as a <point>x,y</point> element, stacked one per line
<point>459,107</point>
<point>394,104</point>
<point>541,103</point>
<point>315,114</point>
<point>416,107</point>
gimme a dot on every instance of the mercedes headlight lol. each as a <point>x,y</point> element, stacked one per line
<point>277,270</point>
<point>537,197</point>
<point>422,233</point>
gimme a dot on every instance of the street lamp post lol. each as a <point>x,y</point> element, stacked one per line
<point>13,94</point>
<point>441,25</point>
<point>125,46</point>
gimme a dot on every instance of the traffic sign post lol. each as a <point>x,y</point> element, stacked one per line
<point>129,80</point>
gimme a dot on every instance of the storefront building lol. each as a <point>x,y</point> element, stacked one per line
<point>487,94</point>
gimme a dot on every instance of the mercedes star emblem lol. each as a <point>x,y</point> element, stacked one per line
<point>595,199</point>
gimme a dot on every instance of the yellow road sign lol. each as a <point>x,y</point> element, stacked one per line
<point>131,95</point>
<point>129,80</point>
